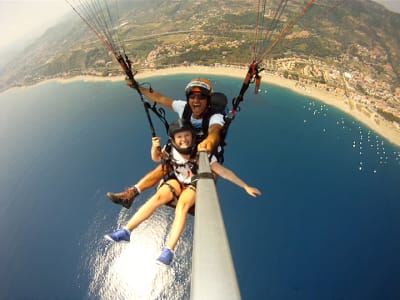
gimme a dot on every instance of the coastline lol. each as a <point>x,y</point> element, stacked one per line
<point>348,106</point>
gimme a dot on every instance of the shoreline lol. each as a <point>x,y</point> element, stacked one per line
<point>348,106</point>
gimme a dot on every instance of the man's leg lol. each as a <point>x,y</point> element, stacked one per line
<point>164,194</point>
<point>150,179</point>
<point>126,197</point>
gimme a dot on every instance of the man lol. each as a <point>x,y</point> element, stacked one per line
<point>197,110</point>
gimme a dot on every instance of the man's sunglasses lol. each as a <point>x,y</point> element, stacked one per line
<point>198,96</point>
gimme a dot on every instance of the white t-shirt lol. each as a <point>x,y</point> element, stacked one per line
<point>182,168</point>
<point>178,106</point>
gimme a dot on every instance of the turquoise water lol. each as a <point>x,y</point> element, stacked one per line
<point>326,225</point>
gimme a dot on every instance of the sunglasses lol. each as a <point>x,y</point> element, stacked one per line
<point>198,96</point>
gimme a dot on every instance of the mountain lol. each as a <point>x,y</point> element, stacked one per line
<point>358,37</point>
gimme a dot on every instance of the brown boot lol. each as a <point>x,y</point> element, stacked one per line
<point>124,198</point>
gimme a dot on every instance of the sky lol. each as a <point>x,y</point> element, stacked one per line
<point>393,5</point>
<point>23,20</point>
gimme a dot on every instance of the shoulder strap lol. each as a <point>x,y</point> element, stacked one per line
<point>187,113</point>
<point>166,159</point>
<point>206,122</point>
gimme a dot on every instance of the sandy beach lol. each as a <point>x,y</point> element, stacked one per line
<point>362,114</point>
<point>365,116</point>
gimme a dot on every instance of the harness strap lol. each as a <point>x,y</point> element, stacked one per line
<point>172,189</point>
<point>192,187</point>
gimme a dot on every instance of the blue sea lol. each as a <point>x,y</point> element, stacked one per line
<point>326,226</point>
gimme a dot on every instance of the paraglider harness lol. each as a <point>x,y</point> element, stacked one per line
<point>217,105</point>
<point>170,165</point>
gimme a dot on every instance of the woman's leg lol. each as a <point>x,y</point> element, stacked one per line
<point>162,196</point>
<point>185,202</point>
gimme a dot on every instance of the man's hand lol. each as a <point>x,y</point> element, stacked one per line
<point>204,146</point>
<point>212,140</point>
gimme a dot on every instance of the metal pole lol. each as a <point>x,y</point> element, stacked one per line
<point>213,271</point>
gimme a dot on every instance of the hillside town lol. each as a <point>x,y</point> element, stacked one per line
<point>371,96</point>
<point>375,98</point>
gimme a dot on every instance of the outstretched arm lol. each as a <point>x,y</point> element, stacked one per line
<point>232,177</point>
<point>153,95</point>
<point>157,97</point>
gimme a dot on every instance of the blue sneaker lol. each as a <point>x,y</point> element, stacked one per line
<point>119,235</point>
<point>166,257</point>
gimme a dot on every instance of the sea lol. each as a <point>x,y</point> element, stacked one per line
<point>325,227</point>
